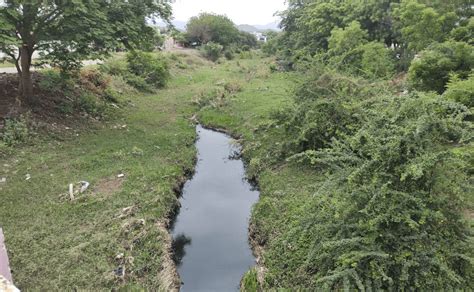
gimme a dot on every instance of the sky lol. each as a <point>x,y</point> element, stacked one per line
<point>240,11</point>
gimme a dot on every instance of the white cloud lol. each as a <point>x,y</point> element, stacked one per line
<point>240,11</point>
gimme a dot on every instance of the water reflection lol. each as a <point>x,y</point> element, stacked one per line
<point>179,243</point>
<point>214,213</point>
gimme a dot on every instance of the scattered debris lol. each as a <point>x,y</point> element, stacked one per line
<point>28,176</point>
<point>119,257</point>
<point>75,189</point>
<point>84,186</point>
<point>3,180</point>
<point>120,272</point>
<point>133,225</point>
<point>71,192</point>
<point>126,212</point>
<point>121,175</point>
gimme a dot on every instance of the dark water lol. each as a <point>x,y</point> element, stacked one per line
<point>210,233</point>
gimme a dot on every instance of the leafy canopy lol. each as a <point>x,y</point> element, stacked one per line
<point>208,27</point>
<point>67,32</point>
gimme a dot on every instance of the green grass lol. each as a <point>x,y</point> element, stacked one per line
<point>58,244</point>
<point>6,65</point>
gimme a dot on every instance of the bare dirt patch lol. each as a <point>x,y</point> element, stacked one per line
<point>108,186</point>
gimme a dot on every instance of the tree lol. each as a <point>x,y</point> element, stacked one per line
<point>421,25</point>
<point>343,40</point>
<point>67,32</point>
<point>208,27</point>
<point>431,71</point>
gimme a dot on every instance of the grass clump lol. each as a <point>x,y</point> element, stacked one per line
<point>212,51</point>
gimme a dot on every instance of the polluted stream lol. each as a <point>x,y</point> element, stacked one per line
<point>210,234</point>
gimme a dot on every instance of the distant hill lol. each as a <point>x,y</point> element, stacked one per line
<point>247,28</point>
<point>259,27</point>
<point>269,26</point>
<point>181,25</point>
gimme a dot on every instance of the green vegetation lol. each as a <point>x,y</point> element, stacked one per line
<point>150,141</point>
<point>432,70</point>
<point>384,173</point>
<point>56,29</point>
<point>217,35</point>
<point>144,71</point>
<point>213,51</point>
<point>357,125</point>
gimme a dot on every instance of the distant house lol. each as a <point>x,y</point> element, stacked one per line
<point>260,36</point>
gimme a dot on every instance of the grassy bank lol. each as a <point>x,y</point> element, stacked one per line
<point>55,243</point>
<point>114,234</point>
<point>283,230</point>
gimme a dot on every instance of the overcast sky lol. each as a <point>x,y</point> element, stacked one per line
<point>240,11</point>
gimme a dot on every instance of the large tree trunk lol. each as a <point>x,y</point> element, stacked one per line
<point>26,81</point>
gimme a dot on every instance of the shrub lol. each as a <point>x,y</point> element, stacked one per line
<point>464,33</point>
<point>343,40</point>
<point>15,131</point>
<point>461,91</point>
<point>326,106</point>
<point>89,103</point>
<point>152,68</point>
<point>212,51</point>
<point>53,81</point>
<point>229,55</point>
<point>94,81</point>
<point>432,69</point>
<point>389,214</point>
<point>114,66</point>
<point>377,61</point>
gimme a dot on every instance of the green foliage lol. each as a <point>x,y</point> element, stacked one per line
<point>89,91</point>
<point>58,29</point>
<point>272,46</point>
<point>247,40</point>
<point>461,91</point>
<point>250,281</point>
<point>399,201</point>
<point>152,68</point>
<point>143,71</point>
<point>337,29</point>
<point>422,25</point>
<point>344,40</point>
<point>212,51</point>
<point>229,55</point>
<point>208,27</point>
<point>137,82</point>
<point>327,105</point>
<point>114,66</point>
<point>464,32</point>
<point>350,51</point>
<point>217,29</point>
<point>388,213</point>
<point>53,81</point>
<point>432,69</point>
<point>377,61</point>
<point>15,131</point>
